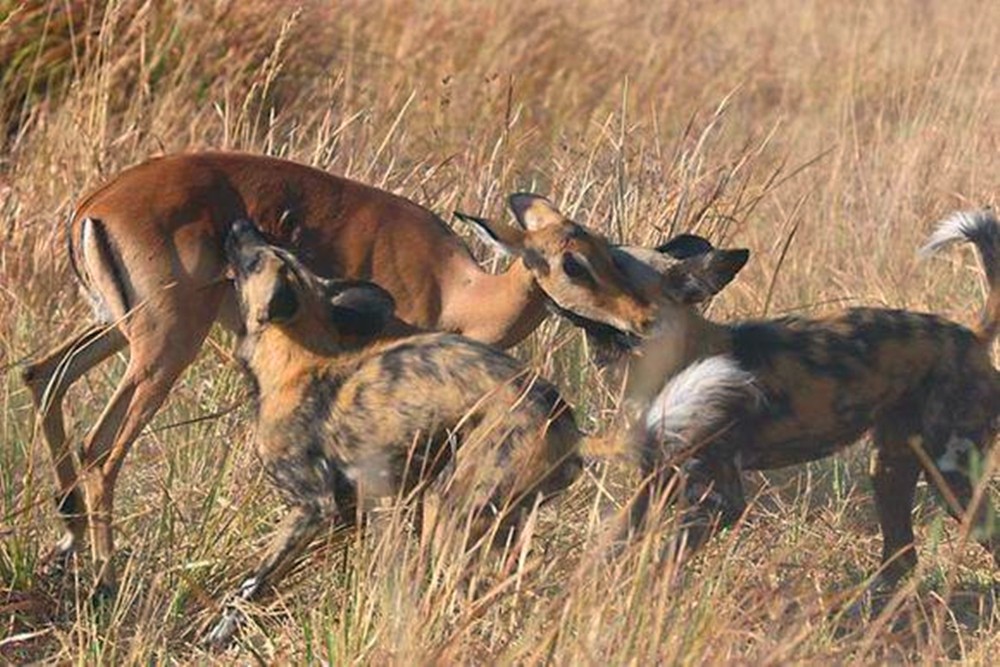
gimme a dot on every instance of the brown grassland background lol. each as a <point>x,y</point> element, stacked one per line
<point>827,137</point>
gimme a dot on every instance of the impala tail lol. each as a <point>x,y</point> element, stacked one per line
<point>99,269</point>
<point>981,229</point>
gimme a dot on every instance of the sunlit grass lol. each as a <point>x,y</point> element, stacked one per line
<point>825,137</point>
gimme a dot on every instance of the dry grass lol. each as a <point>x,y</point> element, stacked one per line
<point>838,129</point>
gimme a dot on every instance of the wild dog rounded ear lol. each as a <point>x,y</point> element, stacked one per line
<point>243,230</point>
<point>359,308</point>
<point>242,234</point>
<point>534,212</point>
<point>684,246</point>
<point>701,277</point>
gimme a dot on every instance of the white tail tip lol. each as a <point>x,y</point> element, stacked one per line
<point>959,227</point>
<point>700,398</point>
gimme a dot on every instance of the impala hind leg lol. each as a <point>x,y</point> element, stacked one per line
<point>163,341</point>
<point>48,379</point>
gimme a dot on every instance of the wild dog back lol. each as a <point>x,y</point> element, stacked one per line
<point>827,381</point>
<point>388,415</point>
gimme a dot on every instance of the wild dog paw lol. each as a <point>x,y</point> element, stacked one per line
<point>222,634</point>
<point>103,594</point>
<point>57,560</point>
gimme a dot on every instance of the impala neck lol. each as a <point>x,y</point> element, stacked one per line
<point>502,309</point>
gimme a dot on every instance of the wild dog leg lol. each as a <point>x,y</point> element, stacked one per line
<point>317,493</point>
<point>712,490</point>
<point>952,469</point>
<point>650,496</point>
<point>895,481</point>
<point>293,535</point>
<point>658,475</point>
<point>714,499</point>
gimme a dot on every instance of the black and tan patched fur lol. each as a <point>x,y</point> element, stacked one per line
<point>355,406</point>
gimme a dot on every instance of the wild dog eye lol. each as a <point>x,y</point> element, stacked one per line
<point>575,269</point>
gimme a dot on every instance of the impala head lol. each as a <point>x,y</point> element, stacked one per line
<point>276,291</point>
<point>572,265</point>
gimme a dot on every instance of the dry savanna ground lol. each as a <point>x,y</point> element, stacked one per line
<point>825,136</point>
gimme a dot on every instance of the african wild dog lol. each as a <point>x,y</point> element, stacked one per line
<point>354,406</point>
<point>792,390</point>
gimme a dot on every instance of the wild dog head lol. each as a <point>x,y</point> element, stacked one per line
<point>571,264</point>
<point>277,292</point>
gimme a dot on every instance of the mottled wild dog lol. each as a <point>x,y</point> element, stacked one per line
<point>353,406</point>
<point>147,249</point>
<point>791,390</point>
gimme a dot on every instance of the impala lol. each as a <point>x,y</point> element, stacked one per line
<point>147,249</point>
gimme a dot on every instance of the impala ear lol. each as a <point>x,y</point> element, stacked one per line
<point>499,236</point>
<point>534,212</point>
<point>359,308</point>
<point>684,246</point>
<point>702,276</point>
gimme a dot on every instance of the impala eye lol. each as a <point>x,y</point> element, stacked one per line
<point>575,269</point>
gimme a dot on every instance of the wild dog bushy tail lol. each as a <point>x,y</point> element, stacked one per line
<point>981,229</point>
<point>698,401</point>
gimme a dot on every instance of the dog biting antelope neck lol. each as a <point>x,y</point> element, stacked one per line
<point>147,249</point>
<point>678,277</point>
